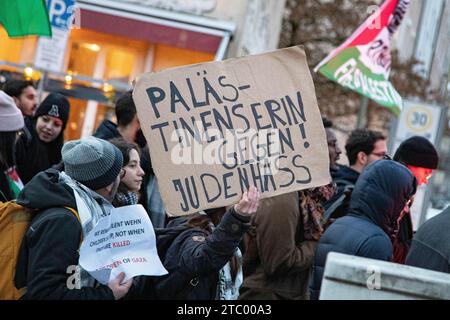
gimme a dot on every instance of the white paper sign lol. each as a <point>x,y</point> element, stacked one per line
<point>50,52</point>
<point>125,242</point>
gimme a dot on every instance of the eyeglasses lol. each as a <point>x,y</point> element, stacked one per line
<point>380,154</point>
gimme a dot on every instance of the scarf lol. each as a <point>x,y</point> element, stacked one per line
<point>227,289</point>
<point>91,207</point>
<point>125,199</point>
<point>312,210</point>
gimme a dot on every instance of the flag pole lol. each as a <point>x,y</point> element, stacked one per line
<point>362,114</point>
<point>41,85</point>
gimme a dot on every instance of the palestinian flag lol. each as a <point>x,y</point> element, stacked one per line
<point>14,181</point>
<point>25,17</point>
<point>363,62</point>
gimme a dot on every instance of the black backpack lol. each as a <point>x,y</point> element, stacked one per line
<point>342,203</point>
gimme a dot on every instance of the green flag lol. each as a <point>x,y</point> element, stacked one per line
<point>363,62</point>
<point>25,17</point>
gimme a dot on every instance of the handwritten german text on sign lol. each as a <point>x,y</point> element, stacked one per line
<point>216,128</point>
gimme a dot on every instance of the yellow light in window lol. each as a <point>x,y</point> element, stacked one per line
<point>68,79</point>
<point>107,88</point>
<point>28,73</point>
<point>91,46</point>
<point>31,74</point>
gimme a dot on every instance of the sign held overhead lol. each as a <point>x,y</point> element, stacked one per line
<point>214,129</point>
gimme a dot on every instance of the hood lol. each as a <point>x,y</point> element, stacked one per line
<point>107,130</point>
<point>381,193</point>
<point>345,173</point>
<point>45,191</point>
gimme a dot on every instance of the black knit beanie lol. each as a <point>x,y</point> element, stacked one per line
<point>55,105</point>
<point>417,151</point>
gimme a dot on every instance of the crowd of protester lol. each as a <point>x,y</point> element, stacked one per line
<point>272,248</point>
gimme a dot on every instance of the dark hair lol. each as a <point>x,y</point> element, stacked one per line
<point>33,154</point>
<point>125,147</point>
<point>327,123</point>
<point>125,109</point>
<point>7,141</point>
<point>15,87</point>
<point>361,140</point>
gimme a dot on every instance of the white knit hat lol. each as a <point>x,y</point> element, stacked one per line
<point>11,119</point>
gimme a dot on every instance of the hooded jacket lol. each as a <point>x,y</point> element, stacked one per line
<point>379,197</point>
<point>49,250</point>
<point>278,259</point>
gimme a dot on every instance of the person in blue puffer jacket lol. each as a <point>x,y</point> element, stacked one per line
<point>382,195</point>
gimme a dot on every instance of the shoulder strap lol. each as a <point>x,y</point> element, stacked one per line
<point>343,182</point>
<point>75,212</point>
<point>348,189</point>
<point>77,215</point>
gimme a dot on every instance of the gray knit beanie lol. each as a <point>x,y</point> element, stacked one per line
<point>94,162</point>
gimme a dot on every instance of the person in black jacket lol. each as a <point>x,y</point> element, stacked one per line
<point>202,254</point>
<point>430,247</point>
<point>363,147</point>
<point>47,264</point>
<point>127,127</point>
<point>382,195</point>
<point>39,146</point>
<point>421,157</point>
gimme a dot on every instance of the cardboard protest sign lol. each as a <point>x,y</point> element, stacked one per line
<point>216,128</point>
<point>123,241</point>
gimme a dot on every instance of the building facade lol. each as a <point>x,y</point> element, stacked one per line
<point>112,42</point>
